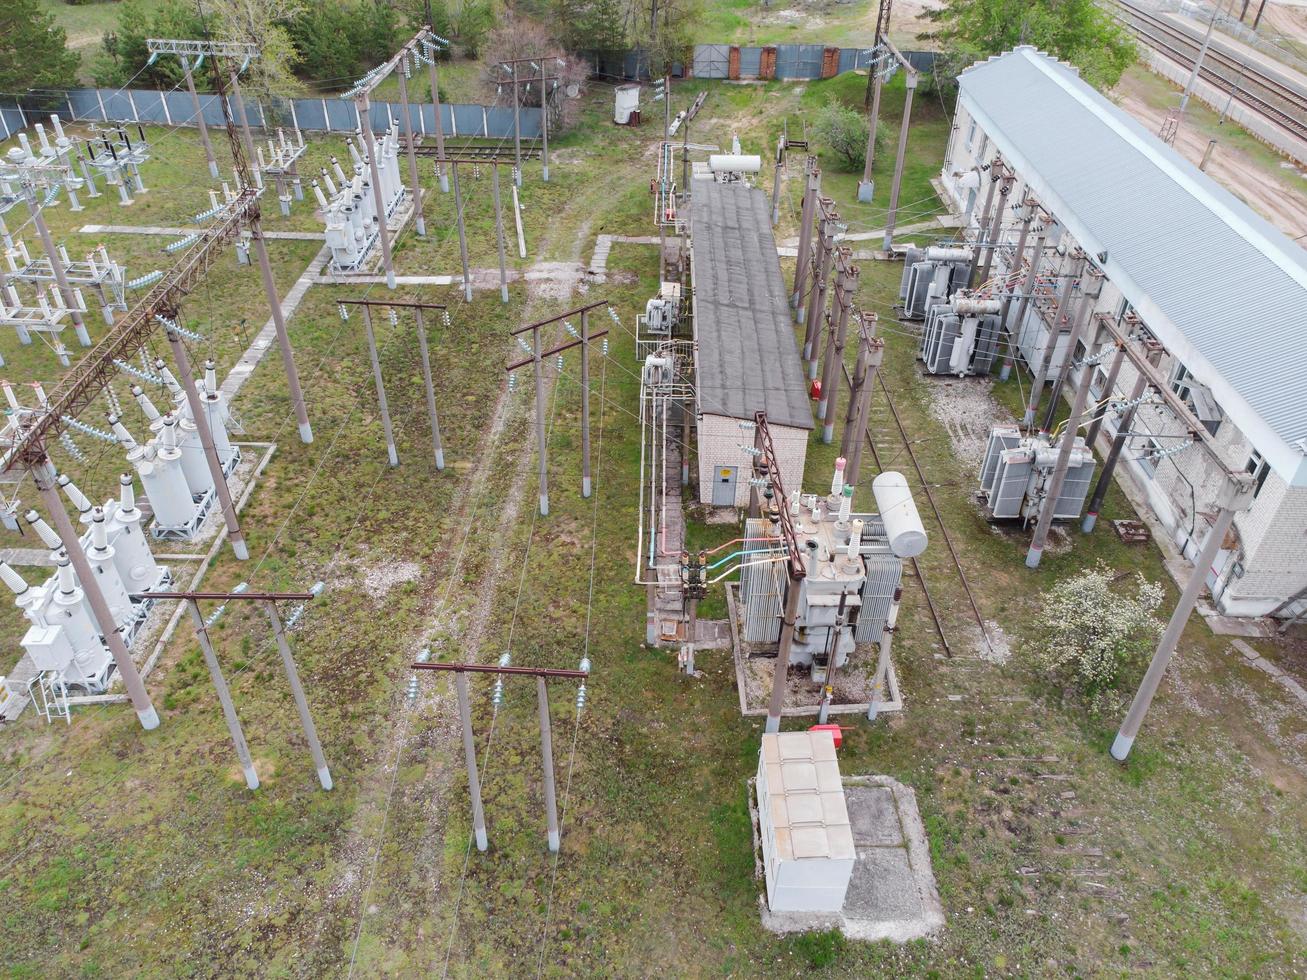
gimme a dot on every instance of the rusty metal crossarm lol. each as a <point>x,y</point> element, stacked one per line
<point>93,372</point>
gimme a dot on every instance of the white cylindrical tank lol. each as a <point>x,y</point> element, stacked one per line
<point>735,163</point>
<point>626,100</point>
<point>907,538</point>
<point>101,556</point>
<point>132,553</point>
<point>69,610</point>
<point>942,253</point>
<point>161,475</point>
<point>194,466</point>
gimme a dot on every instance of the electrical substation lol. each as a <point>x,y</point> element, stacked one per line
<point>350,472</point>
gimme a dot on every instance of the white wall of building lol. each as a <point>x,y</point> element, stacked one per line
<point>720,441</point>
<point>1266,562</point>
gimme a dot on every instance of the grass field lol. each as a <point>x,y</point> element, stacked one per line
<point>124,852</point>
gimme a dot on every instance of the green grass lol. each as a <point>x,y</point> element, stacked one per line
<point>142,853</point>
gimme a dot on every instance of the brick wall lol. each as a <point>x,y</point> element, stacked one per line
<point>733,62</point>
<point>767,65</point>
<point>720,439</point>
<point>830,63</point>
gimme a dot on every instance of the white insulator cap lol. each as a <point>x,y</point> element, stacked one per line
<point>65,572</point>
<point>168,379</point>
<point>75,496</point>
<point>126,494</point>
<point>99,530</point>
<point>211,376</point>
<point>43,530</point>
<point>907,537</point>
<point>837,481</point>
<point>17,584</point>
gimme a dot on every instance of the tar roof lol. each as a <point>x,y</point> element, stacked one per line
<point>1222,289</point>
<point>747,358</point>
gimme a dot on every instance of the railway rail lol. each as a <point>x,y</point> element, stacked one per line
<point>1281,105</point>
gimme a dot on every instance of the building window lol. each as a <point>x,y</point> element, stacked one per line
<point>971,134</point>
<point>1123,309</point>
<point>1260,470</point>
<point>1180,380</point>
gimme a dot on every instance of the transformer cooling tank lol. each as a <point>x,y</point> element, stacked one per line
<point>898,511</point>
<point>734,163</point>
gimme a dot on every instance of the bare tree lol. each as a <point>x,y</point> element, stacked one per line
<point>538,55</point>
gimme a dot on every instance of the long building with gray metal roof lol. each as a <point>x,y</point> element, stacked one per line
<point>747,358</point>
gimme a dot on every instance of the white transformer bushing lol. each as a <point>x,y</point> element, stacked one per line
<point>218,414</point>
<point>45,532</point>
<point>68,610</point>
<point>132,552</point>
<point>75,497</point>
<point>152,414</point>
<point>101,556</point>
<point>898,511</point>
<point>195,467</point>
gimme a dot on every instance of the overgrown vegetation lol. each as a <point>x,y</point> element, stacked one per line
<point>1078,31</point>
<point>1091,631</point>
<point>843,130</point>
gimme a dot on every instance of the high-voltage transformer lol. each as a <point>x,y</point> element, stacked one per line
<point>961,336</point>
<point>931,276</point>
<point>853,565</point>
<point>1017,471</point>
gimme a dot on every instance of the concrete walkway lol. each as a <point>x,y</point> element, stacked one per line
<point>288,236</point>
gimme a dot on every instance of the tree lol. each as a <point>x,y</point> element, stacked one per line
<point>33,50</point>
<point>261,22</point>
<point>1090,632</point>
<point>338,42</point>
<point>125,55</point>
<point>519,37</point>
<point>843,131</point>
<point>1077,31</point>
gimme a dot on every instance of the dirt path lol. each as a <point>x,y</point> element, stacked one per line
<point>1278,201</point>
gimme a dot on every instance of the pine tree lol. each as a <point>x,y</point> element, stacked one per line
<point>33,49</point>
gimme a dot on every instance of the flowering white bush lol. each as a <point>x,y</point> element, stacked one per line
<point>1090,631</point>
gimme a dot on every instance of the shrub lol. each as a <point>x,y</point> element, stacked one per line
<point>1090,632</point>
<point>843,131</point>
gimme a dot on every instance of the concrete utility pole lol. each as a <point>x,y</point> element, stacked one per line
<point>867,186</point>
<point>1004,327</point>
<point>224,696</point>
<point>776,182</point>
<point>1096,423</point>
<point>544,126</point>
<point>1119,440</point>
<point>56,266</point>
<point>547,755</point>
<point>585,403</point>
<point>982,226</point>
<point>782,671</point>
<point>297,691</point>
<point>470,753</point>
<point>902,150</point>
<point>415,186</point>
<point>436,448</point>
<point>199,121</point>
<point>383,229</point>
<point>542,447</point>
<point>462,236</point>
<point>517,130</point>
<point>1065,444</point>
<point>1083,314</point>
<point>812,190</point>
<point>996,228</point>
<point>440,125</point>
<point>201,419</point>
<point>382,405</point>
<point>846,284</point>
<point>44,475</point>
<point>870,355</point>
<point>821,269</point>
<point>1071,285</point>
<point>1202,54</point>
<point>499,232</point>
<point>1236,495</point>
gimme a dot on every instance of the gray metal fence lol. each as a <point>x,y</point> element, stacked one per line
<point>151,107</point>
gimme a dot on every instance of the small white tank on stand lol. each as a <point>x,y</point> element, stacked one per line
<point>626,105</point>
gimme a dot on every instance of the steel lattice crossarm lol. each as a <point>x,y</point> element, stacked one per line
<point>93,373</point>
<point>199,49</point>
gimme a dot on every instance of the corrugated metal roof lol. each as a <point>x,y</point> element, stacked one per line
<point>1220,287</point>
<point>747,357</point>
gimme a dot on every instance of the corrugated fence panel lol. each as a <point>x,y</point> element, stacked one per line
<point>799,60</point>
<point>470,121</point>
<point>11,120</point>
<point>82,104</point>
<point>311,114</point>
<point>149,107</point>
<point>341,117</point>
<point>181,111</point>
<point>712,60</point>
<point>750,62</point>
<point>852,59</point>
<point>116,104</point>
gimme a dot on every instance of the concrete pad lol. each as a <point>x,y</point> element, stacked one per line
<point>873,817</point>
<point>882,888</point>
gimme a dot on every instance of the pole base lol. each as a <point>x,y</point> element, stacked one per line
<point>1028,419</point>
<point>828,433</point>
<point>483,843</point>
<point>1033,556</point>
<point>149,718</point>
<point>306,433</point>
<point>544,505</point>
<point>1088,523</point>
<point>390,279</point>
<point>545,173</point>
<point>865,190</point>
<point>213,170</point>
<point>1005,371</point>
<point>467,291</point>
<point>440,459</point>
<point>773,725</point>
<point>251,778</point>
<point>444,184</point>
<point>324,777</point>
<point>394,456</point>
<point>1121,747</point>
<point>503,294</point>
<point>812,369</point>
<point>421,227</point>
<point>585,486</point>
<point>554,842</point>
<point>240,549</point>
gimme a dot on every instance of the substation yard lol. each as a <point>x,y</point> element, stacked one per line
<point>131,852</point>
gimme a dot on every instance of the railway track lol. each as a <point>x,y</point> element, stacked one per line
<point>1281,105</point>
